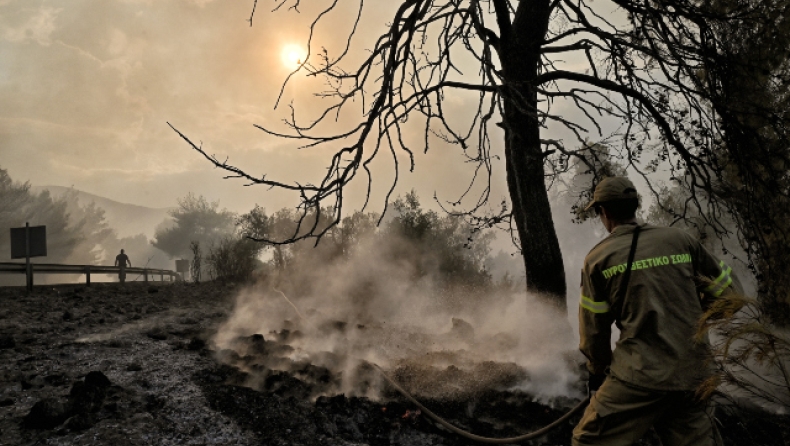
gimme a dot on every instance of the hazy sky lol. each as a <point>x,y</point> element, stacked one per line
<point>87,87</point>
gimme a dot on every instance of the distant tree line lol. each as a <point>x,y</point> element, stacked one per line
<point>445,249</point>
<point>76,234</point>
<point>227,247</point>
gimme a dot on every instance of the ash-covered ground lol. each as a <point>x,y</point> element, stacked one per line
<point>140,364</point>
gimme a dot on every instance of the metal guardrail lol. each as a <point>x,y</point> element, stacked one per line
<point>53,268</point>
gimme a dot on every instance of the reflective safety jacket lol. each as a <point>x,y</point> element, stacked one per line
<point>658,315</point>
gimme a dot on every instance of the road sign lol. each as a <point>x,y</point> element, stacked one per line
<point>28,242</point>
<point>182,266</point>
<point>38,242</point>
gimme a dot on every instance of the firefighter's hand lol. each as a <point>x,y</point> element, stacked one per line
<point>594,383</point>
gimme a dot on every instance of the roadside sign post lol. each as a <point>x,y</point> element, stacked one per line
<point>27,242</point>
<point>182,267</point>
<point>28,268</point>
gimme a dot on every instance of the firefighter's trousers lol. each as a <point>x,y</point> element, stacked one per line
<point>621,414</point>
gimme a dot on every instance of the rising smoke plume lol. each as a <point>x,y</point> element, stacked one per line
<point>441,341</point>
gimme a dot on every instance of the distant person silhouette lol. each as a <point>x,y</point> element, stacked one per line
<point>121,260</point>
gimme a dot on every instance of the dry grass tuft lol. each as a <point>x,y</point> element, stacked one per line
<point>752,356</point>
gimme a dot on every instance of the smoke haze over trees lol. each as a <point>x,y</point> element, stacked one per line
<point>76,234</point>
<point>444,249</point>
<point>18,206</point>
<point>556,76</point>
<point>195,219</point>
<point>199,226</point>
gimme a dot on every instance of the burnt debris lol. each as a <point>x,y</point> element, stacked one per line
<point>85,398</point>
<point>78,380</point>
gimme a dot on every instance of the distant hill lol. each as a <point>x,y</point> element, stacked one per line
<point>127,219</point>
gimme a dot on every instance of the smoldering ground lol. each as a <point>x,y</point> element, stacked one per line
<point>441,341</point>
<point>153,344</point>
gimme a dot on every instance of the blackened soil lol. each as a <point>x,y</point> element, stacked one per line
<point>110,365</point>
<point>133,365</point>
<point>278,420</point>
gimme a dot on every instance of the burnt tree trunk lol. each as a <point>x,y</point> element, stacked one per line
<point>520,51</point>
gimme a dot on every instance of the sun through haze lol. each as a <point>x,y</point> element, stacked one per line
<point>293,55</point>
<point>89,86</point>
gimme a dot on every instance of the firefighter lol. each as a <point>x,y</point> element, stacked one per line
<point>121,260</point>
<point>644,279</point>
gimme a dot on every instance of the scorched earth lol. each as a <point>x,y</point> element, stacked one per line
<point>139,364</point>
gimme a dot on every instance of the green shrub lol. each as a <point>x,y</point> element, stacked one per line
<point>233,259</point>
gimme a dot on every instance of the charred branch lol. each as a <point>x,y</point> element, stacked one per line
<point>650,71</point>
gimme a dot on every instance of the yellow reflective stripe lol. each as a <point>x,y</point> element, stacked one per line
<point>723,287</point>
<point>593,306</point>
<point>715,284</point>
<point>725,273</point>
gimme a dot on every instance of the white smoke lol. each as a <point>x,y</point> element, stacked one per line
<point>370,308</point>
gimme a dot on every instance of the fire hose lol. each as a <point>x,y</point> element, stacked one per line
<point>532,435</point>
<point>446,424</point>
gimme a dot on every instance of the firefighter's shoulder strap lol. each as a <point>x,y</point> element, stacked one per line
<point>627,275</point>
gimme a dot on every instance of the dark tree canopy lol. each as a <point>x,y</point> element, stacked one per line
<point>18,205</point>
<point>752,98</point>
<point>195,219</point>
<point>552,78</point>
